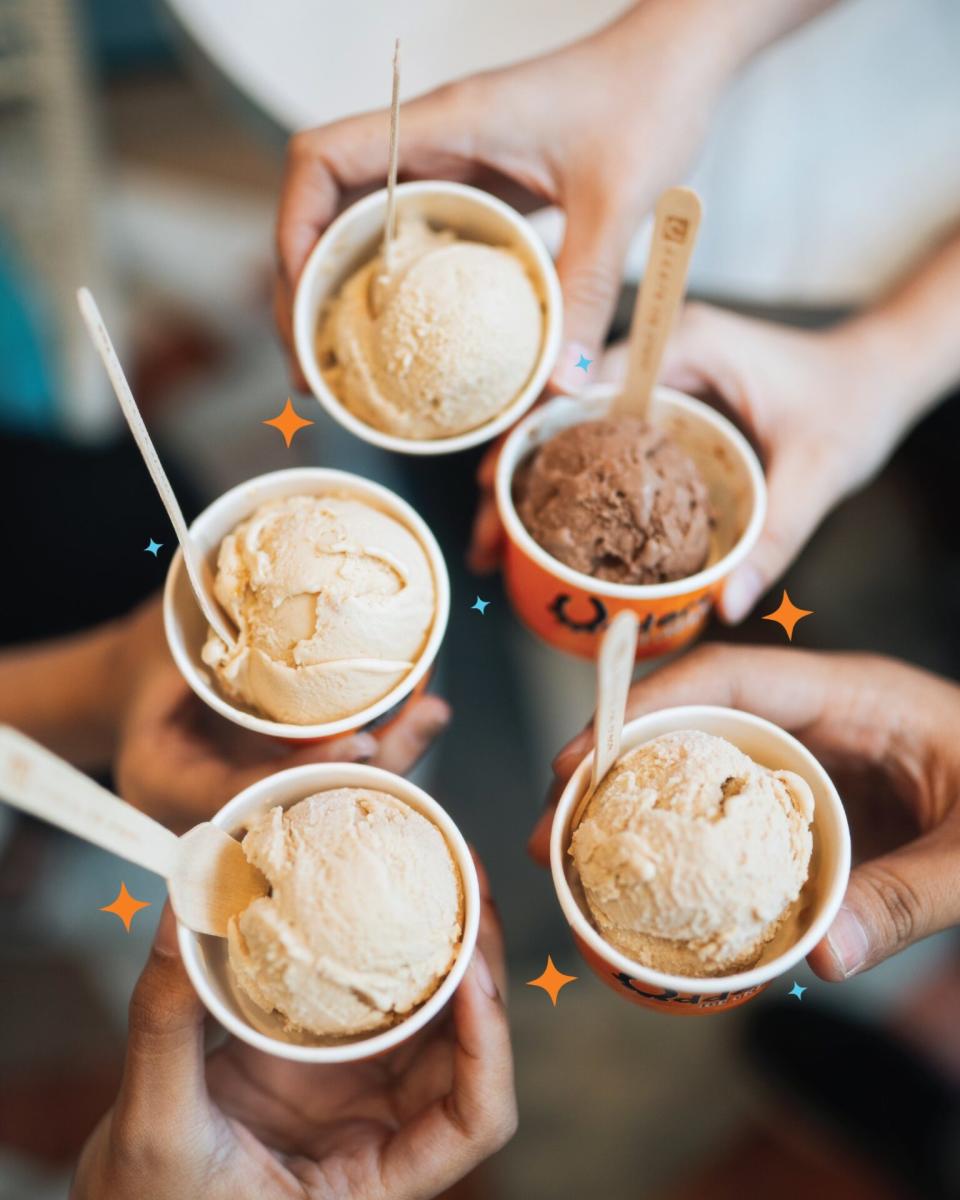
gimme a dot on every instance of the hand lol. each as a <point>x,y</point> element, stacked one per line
<point>179,762</point>
<point>247,1126</point>
<point>823,418</point>
<point>887,734</point>
<point>598,128</point>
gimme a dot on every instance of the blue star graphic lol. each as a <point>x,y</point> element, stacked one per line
<point>153,548</point>
<point>797,990</point>
<point>583,362</point>
<point>479,605</point>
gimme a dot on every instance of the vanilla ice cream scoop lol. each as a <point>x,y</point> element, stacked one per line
<point>691,855</point>
<point>333,601</point>
<point>441,343</point>
<point>364,918</point>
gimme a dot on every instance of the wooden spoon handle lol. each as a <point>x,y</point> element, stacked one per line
<point>192,559</point>
<point>661,294</point>
<point>43,785</point>
<point>615,661</point>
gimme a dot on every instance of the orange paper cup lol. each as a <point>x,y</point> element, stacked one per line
<point>819,901</point>
<point>355,237</point>
<point>186,627</point>
<point>205,957</point>
<point>570,610</point>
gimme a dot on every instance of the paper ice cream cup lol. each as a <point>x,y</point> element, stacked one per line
<point>205,957</point>
<point>354,238</point>
<point>819,901</point>
<point>570,610</point>
<point>186,627</point>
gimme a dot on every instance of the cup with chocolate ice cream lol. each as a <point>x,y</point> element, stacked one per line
<point>368,926</point>
<point>441,345</point>
<point>710,860</point>
<point>338,594</point>
<point>605,511</point>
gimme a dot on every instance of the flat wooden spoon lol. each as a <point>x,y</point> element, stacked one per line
<point>208,876</point>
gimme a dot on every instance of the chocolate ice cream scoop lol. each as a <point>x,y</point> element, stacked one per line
<point>617,499</point>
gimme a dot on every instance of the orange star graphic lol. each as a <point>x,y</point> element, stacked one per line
<point>125,906</point>
<point>289,422</point>
<point>552,981</point>
<point>788,615</point>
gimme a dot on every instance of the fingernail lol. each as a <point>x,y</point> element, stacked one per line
<point>848,942</point>
<point>741,593</point>
<point>573,370</point>
<point>165,940</point>
<point>484,978</point>
<point>363,746</point>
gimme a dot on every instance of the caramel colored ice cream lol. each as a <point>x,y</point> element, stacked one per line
<point>691,855</point>
<point>617,499</point>
<point>441,343</point>
<point>333,601</point>
<point>364,917</point>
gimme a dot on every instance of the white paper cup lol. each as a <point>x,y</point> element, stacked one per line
<point>186,627</point>
<point>354,238</point>
<point>570,610</point>
<point>772,747</point>
<point>205,957</point>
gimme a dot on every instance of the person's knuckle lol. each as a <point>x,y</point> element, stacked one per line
<point>901,906</point>
<point>593,284</point>
<point>301,146</point>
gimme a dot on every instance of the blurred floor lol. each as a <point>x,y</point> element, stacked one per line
<point>613,1099</point>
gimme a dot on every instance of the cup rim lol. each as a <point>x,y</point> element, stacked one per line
<point>393,504</point>
<point>511,457</point>
<point>316,777</point>
<point>687,717</point>
<point>304,324</point>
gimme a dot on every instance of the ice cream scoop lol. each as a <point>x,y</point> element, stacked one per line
<point>438,344</point>
<point>333,600</point>
<point>618,499</point>
<point>364,918</point>
<point>690,855</point>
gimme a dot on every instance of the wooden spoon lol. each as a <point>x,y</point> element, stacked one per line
<point>664,285</point>
<point>192,558</point>
<point>208,877</point>
<point>618,652</point>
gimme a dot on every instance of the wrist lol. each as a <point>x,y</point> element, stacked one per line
<point>719,39</point>
<point>890,373</point>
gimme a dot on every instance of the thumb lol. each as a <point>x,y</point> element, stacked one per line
<point>796,502</point>
<point>590,266</point>
<point>891,903</point>
<point>163,1086</point>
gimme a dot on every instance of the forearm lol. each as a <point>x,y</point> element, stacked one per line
<point>720,37</point>
<point>908,342</point>
<point>66,693</point>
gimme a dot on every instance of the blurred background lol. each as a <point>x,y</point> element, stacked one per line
<point>141,148</point>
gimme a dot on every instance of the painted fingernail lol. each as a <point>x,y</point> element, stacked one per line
<point>848,942</point>
<point>363,747</point>
<point>484,978</point>
<point>741,593</point>
<point>573,370</point>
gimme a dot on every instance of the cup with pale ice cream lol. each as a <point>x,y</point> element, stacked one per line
<point>368,926</point>
<point>605,512</point>
<point>339,596</point>
<point>711,859</point>
<point>445,345</point>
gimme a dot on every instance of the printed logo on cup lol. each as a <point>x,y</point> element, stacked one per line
<point>571,613</point>
<point>668,996</point>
